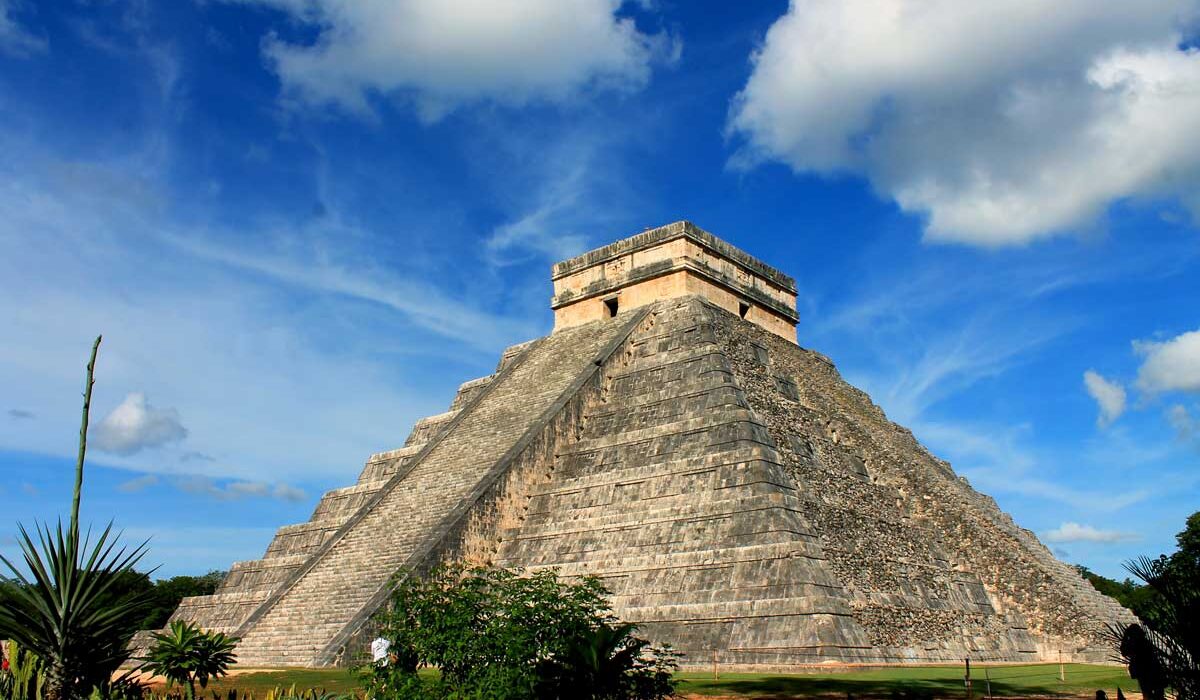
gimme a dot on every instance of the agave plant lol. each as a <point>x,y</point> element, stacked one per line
<point>64,612</point>
<point>63,607</point>
<point>186,655</point>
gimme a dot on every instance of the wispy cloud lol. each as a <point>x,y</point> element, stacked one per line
<point>138,484</point>
<point>236,490</point>
<point>1109,396</point>
<point>21,414</point>
<point>935,334</point>
<point>424,304</point>
<point>1186,426</point>
<point>15,39</point>
<point>1074,532</point>
<point>997,461</point>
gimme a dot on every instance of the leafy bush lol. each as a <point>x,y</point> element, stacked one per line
<point>186,655</point>
<point>495,634</point>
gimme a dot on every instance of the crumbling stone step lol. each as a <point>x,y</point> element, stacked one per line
<point>649,499</point>
<point>770,525</point>
<point>662,411</point>
<point>427,428</point>
<point>345,500</point>
<point>738,609</point>
<point>641,361</point>
<point>304,538</point>
<point>468,390</point>
<point>383,465</point>
<point>260,573</point>
<point>743,500</point>
<point>762,555</point>
<point>685,399</point>
<point>221,612</point>
<point>707,365</point>
<point>638,595</point>
<point>640,488</point>
<point>736,434</point>
<point>730,458</point>
<point>717,424</point>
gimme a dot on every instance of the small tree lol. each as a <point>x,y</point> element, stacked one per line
<point>496,634</point>
<point>186,655</point>
<point>61,607</point>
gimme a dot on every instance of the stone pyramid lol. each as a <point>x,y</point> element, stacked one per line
<point>740,500</point>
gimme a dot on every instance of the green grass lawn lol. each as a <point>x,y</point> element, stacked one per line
<point>915,682</point>
<point>907,682</point>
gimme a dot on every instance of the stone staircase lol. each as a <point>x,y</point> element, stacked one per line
<point>249,583</point>
<point>399,512</point>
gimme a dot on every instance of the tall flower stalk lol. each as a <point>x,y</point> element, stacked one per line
<point>63,606</point>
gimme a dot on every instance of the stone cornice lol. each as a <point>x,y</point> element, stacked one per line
<point>603,287</point>
<point>663,234</point>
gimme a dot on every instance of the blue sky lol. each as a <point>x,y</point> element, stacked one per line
<point>300,224</point>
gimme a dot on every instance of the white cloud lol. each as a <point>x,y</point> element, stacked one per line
<point>235,490</point>
<point>15,39</point>
<point>1074,532</point>
<point>1003,121</point>
<point>1109,396</point>
<point>444,53</point>
<point>135,425</point>
<point>1172,365</point>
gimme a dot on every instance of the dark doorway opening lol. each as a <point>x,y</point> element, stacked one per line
<point>611,305</point>
<point>743,309</point>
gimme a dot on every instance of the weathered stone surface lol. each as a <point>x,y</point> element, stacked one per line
<point>739,499</point>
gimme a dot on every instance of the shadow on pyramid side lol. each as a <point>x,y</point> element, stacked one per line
<point>740,500</point>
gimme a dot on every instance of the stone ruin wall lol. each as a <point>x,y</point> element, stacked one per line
<point>930,562</point>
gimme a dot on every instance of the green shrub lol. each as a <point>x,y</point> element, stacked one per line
<point>495,634</point>
<point>186,655</point>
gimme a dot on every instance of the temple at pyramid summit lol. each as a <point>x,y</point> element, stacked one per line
<point>741,501</point>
